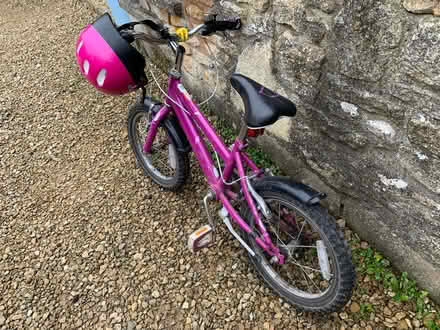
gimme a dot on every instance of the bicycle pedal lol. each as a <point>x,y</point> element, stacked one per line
<point>201,238</point>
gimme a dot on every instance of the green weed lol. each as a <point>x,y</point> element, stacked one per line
<point>366,310</point>
<point>373,263</point>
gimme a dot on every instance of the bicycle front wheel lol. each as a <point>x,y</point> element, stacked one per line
<point>318,273</point>
<point>164,164</point>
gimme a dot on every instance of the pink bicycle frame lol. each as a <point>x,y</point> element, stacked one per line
<point>192,121</point>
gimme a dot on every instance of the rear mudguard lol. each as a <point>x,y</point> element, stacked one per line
<point>301,192</point>
<point>172,125</point>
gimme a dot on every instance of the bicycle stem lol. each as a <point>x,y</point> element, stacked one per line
<point>180,53</point>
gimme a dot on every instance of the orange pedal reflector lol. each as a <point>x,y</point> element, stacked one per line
<point>201,238</point>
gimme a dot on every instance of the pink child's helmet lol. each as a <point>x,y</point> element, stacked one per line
<point>107,60</point>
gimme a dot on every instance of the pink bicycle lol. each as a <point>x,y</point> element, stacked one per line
<point>294,244</point>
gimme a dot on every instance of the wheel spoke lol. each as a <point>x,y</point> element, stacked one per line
<point>278,237</point>
<point>311,279</point>
<point>279,207</point>
<point>306,278</point>
<point>302,227</point>
<point>307,267</point>
<point>280,219</point>
<point>305,246</point>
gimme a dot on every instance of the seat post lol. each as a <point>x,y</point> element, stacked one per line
<point>243,131</point>
<point>244,127</point>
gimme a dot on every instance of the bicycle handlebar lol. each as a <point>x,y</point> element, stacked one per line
<point>210,26</point>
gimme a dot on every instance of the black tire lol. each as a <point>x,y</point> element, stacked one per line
<point>339,286</point>
<point>176,169</point>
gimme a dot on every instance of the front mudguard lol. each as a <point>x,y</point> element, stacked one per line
<point>299,191</point>
<point>171,123</point>
<point>179,138</point>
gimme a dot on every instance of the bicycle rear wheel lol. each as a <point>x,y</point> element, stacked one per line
<point>164,164</point>
<point>318,274</point>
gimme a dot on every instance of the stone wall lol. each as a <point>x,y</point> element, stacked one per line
<point>366,78</point>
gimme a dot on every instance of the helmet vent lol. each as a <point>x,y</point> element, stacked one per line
<point>86,66</point>
<point>79,46</point>
<point>101,77</point>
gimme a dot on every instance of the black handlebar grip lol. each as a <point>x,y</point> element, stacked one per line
<point>233,24</point>
<point>213,25</point>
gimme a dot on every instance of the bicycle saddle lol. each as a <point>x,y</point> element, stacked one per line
<point>263,107</point>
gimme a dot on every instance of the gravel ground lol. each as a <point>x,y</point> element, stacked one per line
<point>88,241</point>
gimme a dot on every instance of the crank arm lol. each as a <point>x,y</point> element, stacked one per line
<point>223,213</point>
